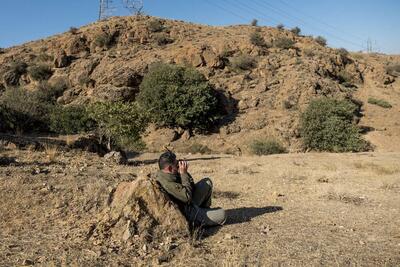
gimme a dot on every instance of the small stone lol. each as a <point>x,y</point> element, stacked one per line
<point>229,236</point>
<point>172,246</point>
<point>144,248</point>
<point>27,262</point>
<point>361,242</point>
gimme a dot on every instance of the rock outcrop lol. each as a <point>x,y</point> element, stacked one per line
<point>139,213</point>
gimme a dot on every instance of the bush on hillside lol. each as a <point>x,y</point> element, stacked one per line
<point>266,147</point>
<point>284,43</point>
<point>14,72</point>
<point>118,122</point>
<point>197,148</point>
<point>327,125</point>
<point>48,93</point>
<point>103,40</point>
<point>6,119</point>
<point>379,102</point>
<point>254,22</point>
<point>244,62</point>
<point>343,52</point>
<point>162,39</point>
<point>40,72</point>
<point>257,40</point>
<point>70,120</point>
<point>393,69</point>
<point>155,25</point>
<point>320,40</point>
<point>280,26</point>
<point>73,30</point>
<point>28,112</point>
<point>176,96</point>
<point>296,30</point>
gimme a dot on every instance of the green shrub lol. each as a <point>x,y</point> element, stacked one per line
<point>345,77</point>
<point>327,125</point>
<point>103,40</point>
<point>70,120</point>
<point>343,52</point>
<point>280,26</point>
<point>162,39</point>
<point>18,67</point>
<point>309,52</point>
<point>12,75</point>
<point>197,148</point>
<point>43,57</point>
<point>40,72</point>
<point>254,22</point>
<point>296,30</point>
<point>393,69</point>
<point>6,119</point>
<point>73,30</point>
<point>284,43</point>
<point>244,62</point>
<point>379,102</point>
<point>47,93</point>
<point>118,121</point>
<point>29,112</point>
<point>266,147</point>
<point>320,40</point>
<point>257,39</point>
<point>177,96</point>
<point>155,25</point>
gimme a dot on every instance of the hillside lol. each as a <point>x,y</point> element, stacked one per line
<point>107,60</point>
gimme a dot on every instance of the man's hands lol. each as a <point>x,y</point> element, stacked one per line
<point>182,166</point>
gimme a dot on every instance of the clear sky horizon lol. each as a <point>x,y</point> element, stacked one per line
<point>352,24</point>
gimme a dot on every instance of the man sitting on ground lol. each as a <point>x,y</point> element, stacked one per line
<point>194,200</point>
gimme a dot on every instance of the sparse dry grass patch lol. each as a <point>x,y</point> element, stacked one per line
<point>377,169</point>
<point>346,198</point>
<point>389,186</point>
<point>51,152</point>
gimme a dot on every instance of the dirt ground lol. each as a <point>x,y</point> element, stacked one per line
<point>314,209</point>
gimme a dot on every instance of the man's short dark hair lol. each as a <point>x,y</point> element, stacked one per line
<point>166,159</point>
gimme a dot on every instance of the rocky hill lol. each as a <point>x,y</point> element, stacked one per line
<point>264,86</point>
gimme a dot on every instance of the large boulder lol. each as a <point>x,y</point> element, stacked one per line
<point>139,213</point>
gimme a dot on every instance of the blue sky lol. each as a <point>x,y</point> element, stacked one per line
<point>347,24</point>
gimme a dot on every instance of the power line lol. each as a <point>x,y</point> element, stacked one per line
<point>242,6</point>
<point>322,22</point>
<point>226,10</point>
<point>294,18</point>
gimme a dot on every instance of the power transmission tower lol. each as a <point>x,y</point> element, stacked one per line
<point>369,46</point>
<point>134,6</point>
<point>106,9</point>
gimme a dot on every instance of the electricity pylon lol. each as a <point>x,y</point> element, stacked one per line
<point>106,8</point>
<point>134,6</point>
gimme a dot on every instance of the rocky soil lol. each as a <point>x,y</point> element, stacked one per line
<point>57,208</point>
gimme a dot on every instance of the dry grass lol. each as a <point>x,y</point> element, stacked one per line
<point>51,152</point>
<point>346,198</point>
<point>377,169</point>
<point>69,140</point>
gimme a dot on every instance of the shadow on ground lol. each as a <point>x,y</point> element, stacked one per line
<point>153,161</point>
<point>245,214</point>
<point>241,215</point>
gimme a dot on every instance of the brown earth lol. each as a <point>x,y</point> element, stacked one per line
<point>106,61</point>
<point>315,209</point>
